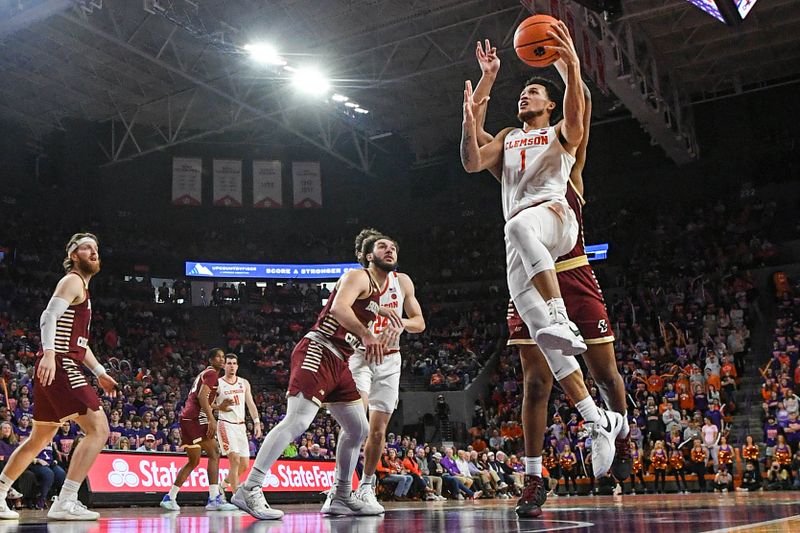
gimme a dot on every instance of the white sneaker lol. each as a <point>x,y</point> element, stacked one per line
<point>70,510</point>
<point>350,506</point>
<point>326,507</point>
<point>617,490</point>
<point>14,494</point>
<point>502,485</point>
<point>604,432</point>
<point>366,493</point>
<point>562,336</point>
<point>219,504</point>
<point>254,503</point>
<point>169,504</point>
<point>7,513</point>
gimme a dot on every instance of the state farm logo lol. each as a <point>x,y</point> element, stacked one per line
<point>121,475</point>
<point>271,480</point>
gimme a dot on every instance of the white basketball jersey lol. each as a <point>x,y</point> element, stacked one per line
<point>234,392</point>
<point>535,169</point>
<point>392,297</point>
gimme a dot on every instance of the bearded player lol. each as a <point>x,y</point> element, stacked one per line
<point>320,375</point>
<point>534,164</point>
<point>378,378</point>
<point>584,301</point>
<point>60,387</point>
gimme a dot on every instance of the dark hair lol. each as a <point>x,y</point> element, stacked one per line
<point>369,246</point>
<point>363,235</point>
<point>231,356</point>
<point>212,353</point>
<point>554,92</point>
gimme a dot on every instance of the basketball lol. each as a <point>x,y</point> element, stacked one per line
<point>531,38</point>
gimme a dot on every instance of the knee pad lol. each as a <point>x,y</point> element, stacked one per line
<point>561,366</point>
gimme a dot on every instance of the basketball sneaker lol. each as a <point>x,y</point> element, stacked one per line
<point>349,506</point>
<point>562,334</point>
<point>70,510</point>
<point>622,466</point>
<point>533,497</point>
<point>219,504</point>
<point>7,513</point>
<point>326,507</point>
<point>604,433</point>
<point>254,503</point>
<point>366,493</point>
<point>169,504</point>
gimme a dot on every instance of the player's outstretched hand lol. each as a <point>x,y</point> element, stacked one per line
<point>566,48</point>
<point>225,406</point>
<point>373,347</point>
<point>108,384</point>
<point>487,58</point>
<point>393,316</point>
<point>390,337</point>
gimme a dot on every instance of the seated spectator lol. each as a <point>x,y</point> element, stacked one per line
<point>751,479</point>
<point>723,480</point>
<point>390,470</point>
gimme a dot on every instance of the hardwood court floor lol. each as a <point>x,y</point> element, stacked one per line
<point>670,513</point>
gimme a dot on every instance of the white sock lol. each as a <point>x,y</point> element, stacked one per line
<point>173,492</point>
<point>588,409</point>
<point>367,480</point>
<point>300,414</point>
<point>213,491</point>
<point>69,491</point>
<point>533,466</point>
<point>5,486</point>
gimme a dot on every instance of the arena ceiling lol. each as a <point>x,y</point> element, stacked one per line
<point>158,73</point>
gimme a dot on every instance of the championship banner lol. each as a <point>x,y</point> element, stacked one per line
<point>228,182</point>
<point>142,472</point>
<point>267,184</point>
<point>307,184</point>
<point>187,181</point>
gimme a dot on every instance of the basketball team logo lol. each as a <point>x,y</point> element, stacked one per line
<point>120,474</point>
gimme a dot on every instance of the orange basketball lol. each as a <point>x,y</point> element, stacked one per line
<point>531,38</point>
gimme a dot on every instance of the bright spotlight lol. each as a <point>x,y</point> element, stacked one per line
<point>339,98</point>
<point>351,104</point>
<point>264,53</point>
<point>311,81</point>
<point>361,110</point>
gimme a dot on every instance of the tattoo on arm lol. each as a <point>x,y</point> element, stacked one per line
<point>465,140</point>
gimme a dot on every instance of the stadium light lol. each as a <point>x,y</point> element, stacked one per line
<point>361,110</point>
<point>310,80</point>
<point>351,104</point>
<point>265,54</point>
<point>339,98</point>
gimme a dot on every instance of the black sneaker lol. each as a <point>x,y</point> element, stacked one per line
<point>622,466</point>
<point>533,497</point>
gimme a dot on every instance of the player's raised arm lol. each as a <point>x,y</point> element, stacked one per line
<point>576,174</point>
<point>473,157</point>
<point>574,107</point>
<point>489,63</point>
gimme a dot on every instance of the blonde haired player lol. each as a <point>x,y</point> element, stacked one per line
<point>378,378</point>
<point>231,432</point>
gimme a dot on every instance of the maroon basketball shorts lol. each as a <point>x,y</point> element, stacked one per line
<point>320,375</point>
<point>67,397</point>
<point>585,306</point>
<point>193,431</point>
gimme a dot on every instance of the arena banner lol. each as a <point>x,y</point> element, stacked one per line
<point>267,271</point>
<point>228,182</point>
<point>140,472</point>
<point>267,184</point>
<point>307,184</point>
<point>187,181</point>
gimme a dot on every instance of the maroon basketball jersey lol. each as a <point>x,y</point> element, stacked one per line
<point>192,409</point>
<point>365,310</point>
<point>576,202</point>
<point>72,329</point>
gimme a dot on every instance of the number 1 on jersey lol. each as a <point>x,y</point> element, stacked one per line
<point>522,160</point>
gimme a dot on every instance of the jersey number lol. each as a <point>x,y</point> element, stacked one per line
<point>522,160</point>
<point>236,400</point>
